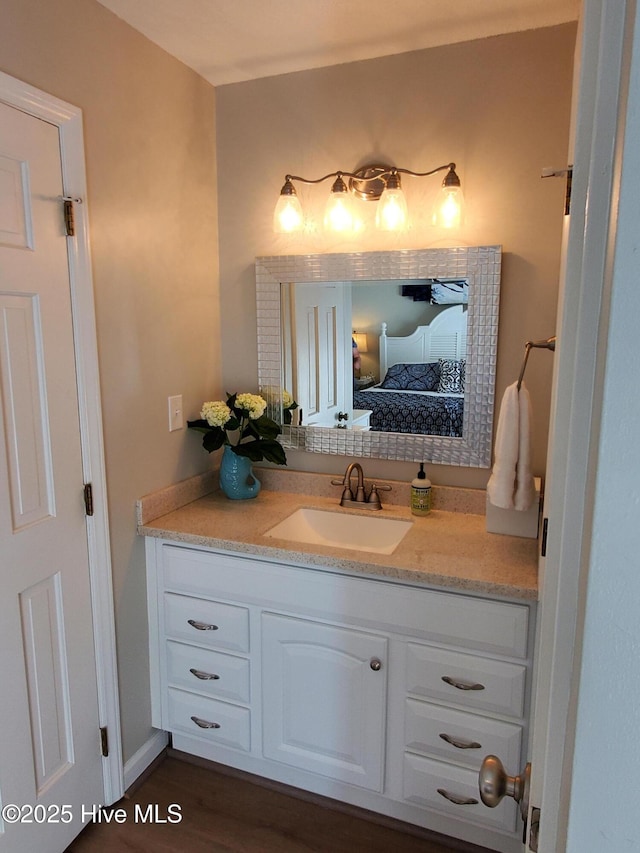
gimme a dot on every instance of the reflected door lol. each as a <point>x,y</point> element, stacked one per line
<point>49,745</point>
<point>323,356</point>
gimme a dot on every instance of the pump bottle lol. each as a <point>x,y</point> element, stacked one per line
<point>421,493</point>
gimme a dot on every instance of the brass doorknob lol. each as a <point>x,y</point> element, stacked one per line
<point>494,784</point>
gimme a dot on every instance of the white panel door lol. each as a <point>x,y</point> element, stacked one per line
<point>324,367</point>
<point>49,743</point>
<point>324,699</point>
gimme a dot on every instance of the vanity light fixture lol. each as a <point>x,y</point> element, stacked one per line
<point>377,182</point>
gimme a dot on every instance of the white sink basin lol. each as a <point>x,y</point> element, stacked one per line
<point>342,530</point>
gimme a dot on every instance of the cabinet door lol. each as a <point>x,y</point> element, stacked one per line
<point>324,698</point>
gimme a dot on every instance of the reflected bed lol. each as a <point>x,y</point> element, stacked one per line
<point>422,392</point>
<point>417,413</point>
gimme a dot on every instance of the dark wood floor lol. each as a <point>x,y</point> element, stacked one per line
<point>226,813</point>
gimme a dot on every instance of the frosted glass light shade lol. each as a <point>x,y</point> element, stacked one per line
<point>287,216</point>
<point>391,214</point>
<point>448,211</point>
<point>338,213</point>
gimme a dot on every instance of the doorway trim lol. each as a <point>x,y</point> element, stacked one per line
<point>68,120</point>
<point>606,32</point>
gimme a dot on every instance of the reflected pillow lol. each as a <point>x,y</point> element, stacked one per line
<point>412,377</point>
<point>452,374</point>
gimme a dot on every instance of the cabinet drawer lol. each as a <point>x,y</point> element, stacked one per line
<point>459,736</point>
<point>217,722</point>
<point>207,623</point>
<point>476,624</point>
<point>454,791</point>
<point>208,672</point>
<point>479,683</point>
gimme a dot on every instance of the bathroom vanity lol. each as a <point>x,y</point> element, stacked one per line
<point>380,680</point>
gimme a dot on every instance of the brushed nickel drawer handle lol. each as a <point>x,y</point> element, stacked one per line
<point>204,676</point>
<point>456,799</point>
<point>205,724</point>
<point>462,685</point>
<point>202,626</point>
<point>459,743</point>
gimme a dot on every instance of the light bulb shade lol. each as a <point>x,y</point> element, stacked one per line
<point>448,211</point>
<point>287,216</point>
<point>338,213</point>
<point>391,214</point>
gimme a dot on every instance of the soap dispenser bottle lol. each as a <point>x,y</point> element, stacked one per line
<point>421,493</point>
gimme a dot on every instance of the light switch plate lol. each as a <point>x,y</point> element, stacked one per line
<point>176,420</point>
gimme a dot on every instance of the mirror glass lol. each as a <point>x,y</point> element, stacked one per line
<point>388,354</point>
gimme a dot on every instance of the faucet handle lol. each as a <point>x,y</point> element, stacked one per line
<point>374,498</point>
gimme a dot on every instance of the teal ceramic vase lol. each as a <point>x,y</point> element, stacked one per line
<point>237,479</point>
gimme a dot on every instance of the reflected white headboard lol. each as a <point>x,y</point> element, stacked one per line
<point>444,337</point>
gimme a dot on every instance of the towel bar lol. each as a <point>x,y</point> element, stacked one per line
<point>550,343</point>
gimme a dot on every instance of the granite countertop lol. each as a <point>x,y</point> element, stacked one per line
<point>448,549</point>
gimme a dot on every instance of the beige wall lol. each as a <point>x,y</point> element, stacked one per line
<point>498,107</point>
<point>150,152</point>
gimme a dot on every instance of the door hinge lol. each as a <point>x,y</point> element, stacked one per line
<point>69,214</point>
<point>88,499</point>
<point>104,741</point>
<point>69,218</point>
<point>535,829</point>
<point>567,192</point>
<point>545,528</point>
<point>562,173</point>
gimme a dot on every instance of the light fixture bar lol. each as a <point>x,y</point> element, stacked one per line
<point>374,182</point>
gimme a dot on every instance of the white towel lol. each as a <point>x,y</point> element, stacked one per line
<point>511,483</point>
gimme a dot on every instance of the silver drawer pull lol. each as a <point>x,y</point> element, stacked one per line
<point>462,685</point>
<point>206,676</point>
<point>202,626</point>
<point>459,743</point>
<point>456,799</point>
<point>205,724</point>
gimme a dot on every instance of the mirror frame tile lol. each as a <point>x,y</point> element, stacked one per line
<point>479,264</point>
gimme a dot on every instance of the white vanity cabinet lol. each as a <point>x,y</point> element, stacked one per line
<point>324,699</point>
<point>377,693</point>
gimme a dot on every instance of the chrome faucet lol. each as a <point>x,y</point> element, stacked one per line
<point>361,499</point>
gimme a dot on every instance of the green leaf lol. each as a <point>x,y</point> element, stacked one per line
<point>250,431</point>
<point>274,452</point>
<point>265,427</point>
<point>214,439</point>
<point>262,449</point>
<point>251,450</point>
<point>200,425</point>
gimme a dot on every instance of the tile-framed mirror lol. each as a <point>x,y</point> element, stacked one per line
<point>478,266</point>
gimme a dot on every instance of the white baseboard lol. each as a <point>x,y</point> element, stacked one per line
<point>141,759</point>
